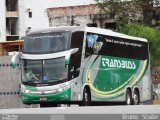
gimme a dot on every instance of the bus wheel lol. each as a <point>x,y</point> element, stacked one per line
<point>86,97</point>
<point>128,98</point>
<point>136,98</point>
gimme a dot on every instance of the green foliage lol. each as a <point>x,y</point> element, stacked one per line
<point>151,34</point>
<point>128,10</point>
<point>121,9</point>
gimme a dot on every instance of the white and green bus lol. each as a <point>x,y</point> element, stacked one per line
<point>76,64</point>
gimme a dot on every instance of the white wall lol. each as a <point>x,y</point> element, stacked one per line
<point>22,12</point>
<point>38,7</point>
<point>39,15</point>
<point>2,21</point>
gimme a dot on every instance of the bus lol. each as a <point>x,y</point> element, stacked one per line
<point>75,64</point>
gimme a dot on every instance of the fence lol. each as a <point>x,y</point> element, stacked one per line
<point>9,84</point>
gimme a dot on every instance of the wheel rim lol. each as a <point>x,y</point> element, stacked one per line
<point>128,99</point>
<point>86,99</point>
<point>135,99</point>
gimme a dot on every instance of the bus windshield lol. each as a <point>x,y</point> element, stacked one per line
<point>40,43</point>
<point>42,71</point>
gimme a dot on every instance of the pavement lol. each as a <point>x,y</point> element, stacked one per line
<point>120,109</point>
<point>119,112</point>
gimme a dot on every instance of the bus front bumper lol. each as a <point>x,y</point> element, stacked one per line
<point>63,96</point>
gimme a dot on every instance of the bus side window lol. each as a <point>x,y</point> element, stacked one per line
<point>74,67</point>
<point>76,42</point>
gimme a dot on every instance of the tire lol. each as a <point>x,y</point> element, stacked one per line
<point>128,100</point>
<point>136,98</point>
<point>86,97</point>
<point>154,96</point>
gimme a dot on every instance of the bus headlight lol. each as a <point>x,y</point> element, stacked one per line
<point>26,91</point>
<point>60,90</point>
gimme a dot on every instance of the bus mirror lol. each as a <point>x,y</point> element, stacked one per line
<point>14,59</point>
<point>68,55</point>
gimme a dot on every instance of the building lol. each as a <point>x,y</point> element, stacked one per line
<point>17,17</point>
<point>80,15</point>
<point>9,47</point>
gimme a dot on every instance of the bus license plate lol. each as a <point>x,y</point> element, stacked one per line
<point>43,98</point>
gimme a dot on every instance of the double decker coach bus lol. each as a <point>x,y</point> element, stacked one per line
<point>84,65</point>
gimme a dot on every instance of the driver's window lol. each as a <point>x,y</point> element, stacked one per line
<point>75,59</point>
<point>74,67</point>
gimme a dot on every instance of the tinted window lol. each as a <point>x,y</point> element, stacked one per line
<point>76,42</point>
<point>39,71</point>
<point>114,46</point>
<point>46,42</point>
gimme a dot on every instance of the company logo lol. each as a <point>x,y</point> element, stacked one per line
<point>42,92</point>
<point>92,43</point>
<point>39,85</point>
<point>9,117</point>
<point>97,46</point>
<point>91,39</point>
<point>114,63</point>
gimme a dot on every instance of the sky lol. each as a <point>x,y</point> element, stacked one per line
<point>61,3</point>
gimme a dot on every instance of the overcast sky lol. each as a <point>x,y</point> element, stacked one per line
<point>61,3</point>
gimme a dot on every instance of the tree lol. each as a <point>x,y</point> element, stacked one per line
<point>117,7</point>
<point>146,6</point>
<point>129,10</point>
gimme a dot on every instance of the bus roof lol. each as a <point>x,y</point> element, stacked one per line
<point>60,28</point>
<point>88,29</point>
<point>112,33</point>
